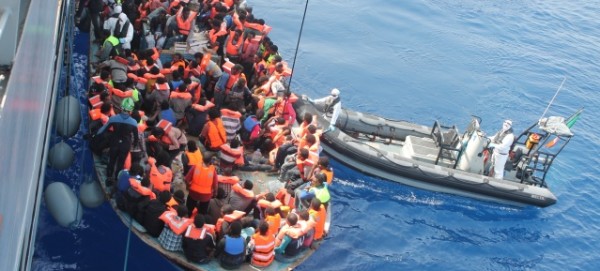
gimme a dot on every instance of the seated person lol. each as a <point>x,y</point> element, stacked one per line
<point>231,250</point>
<point>198,243</point>
<point>153,211</point>
<point>262,246</point>
<point>318,214</point>
<point>290,238</point>
<point>176,222</point>
<point>317,189</point>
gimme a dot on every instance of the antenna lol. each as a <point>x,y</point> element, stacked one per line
<point>555,94</point>
<point>298,44</point>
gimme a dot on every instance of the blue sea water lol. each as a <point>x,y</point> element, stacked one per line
<point>422,61</point>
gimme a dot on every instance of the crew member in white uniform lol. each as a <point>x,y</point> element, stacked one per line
<point>501,143</point>
<point>332,105</point>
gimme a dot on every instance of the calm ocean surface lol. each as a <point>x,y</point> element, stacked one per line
<point>422,61</point>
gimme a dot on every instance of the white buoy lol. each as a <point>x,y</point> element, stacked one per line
<point>90,193</point>
<point>63,204</point>
<point>68,116</point>
<point>61,156</point>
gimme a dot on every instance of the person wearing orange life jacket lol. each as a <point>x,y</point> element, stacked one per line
<point>274,219</point>
<point>213,134</point>
<point>102,79</point>
<point>185,20</point>
<point>202,183</point>
<point>233,47</point>
<point>225,84</point>
<point>318,212</point>
<point>290,238</point>
<point>160,175</point>
<point>323,167</point>
<point>161,91</point>
<point>262,246</point>
<point>194,88</point>
<point>118,70</point>
<point>227,180</point>
<point>211,73</point>
<point>217,36</point>
<point>228,216</point>
<point>197,116</point>
<point>268,201</point>
<point>101,114</point>
<point>176,223</point>
<point>198,242</point>
<point>231,154</point>
<point>179,101</point>
<point>239,97</point>
<point>232,123</point>
<point>193,157</point>
<point>242,198</point>
<point>296,175</point>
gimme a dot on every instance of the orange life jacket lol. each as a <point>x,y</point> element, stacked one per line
<point>231,155</point>
<point>235,216</point>
<point>160,179</point>
<point>180,95</point>
<point>234,45</point>
<point>185,25</point>
<point>165,125</point>
<point>96,101</point>
<point>216,133</point>
<point>274,223</point>
<point>144,191</point>
<point>264,249</point>
<point>177,224</point>
<point>204,62</point>
<point>319,216</point>
<point>202,179</point>
<point>96,114</point>
<point>163,86</point>
<point>194,158</point>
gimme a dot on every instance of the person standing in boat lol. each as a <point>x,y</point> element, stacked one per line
<point>331,104</point>
<point>501,143</point>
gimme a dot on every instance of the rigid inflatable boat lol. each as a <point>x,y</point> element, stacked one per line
<point>440,158</point>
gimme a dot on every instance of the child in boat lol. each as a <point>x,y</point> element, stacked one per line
<point>262,246</point>
<point>292,245</point>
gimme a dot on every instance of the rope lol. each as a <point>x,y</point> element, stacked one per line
<point>298,45</point>
<point>127,246</point>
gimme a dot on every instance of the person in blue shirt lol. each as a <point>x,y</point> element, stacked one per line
<point>124,131</point>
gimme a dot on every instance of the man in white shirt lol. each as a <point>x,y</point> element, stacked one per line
<point>501,143</point>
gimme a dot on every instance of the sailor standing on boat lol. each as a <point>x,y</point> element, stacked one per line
<point>501,143</point>
<point>119,25</point>
<point>332,105</point>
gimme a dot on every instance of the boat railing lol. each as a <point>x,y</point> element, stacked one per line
<point>447,139</point>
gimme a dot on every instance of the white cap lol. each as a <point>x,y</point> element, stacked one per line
<point>117,9</point>
<point>335,92</point>
<point>509,122</point>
